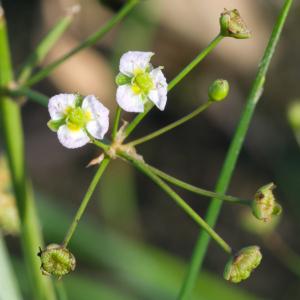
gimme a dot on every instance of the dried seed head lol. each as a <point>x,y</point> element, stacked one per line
<point>242,264</point>
<point>232,25</point>
<point>56,260</point>
<point>264,205</point>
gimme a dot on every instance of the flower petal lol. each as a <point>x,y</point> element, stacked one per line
<point>158,95</point>
<point>72,138</point>
<point>99,123</point>
<point>133,60</point>
<point>128,100</point>
<point>58,105</point>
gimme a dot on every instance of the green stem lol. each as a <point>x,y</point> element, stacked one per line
<point>198,190</point>
<point>10,116</point>
<point>175,81</point>
<point>90,41</point>
<point>60,290</point>
<point>179,201</point>
<point>33,95</point>
<point>171,126</point>
<point>116,122</point>
<point>86,200</point>
<point>233,153</point>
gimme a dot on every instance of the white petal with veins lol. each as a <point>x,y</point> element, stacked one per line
<point>59,104</point>
<point>134,60</point>
<point>99,123</point>
<point>158,95</point>
<point>128,100</point>
<point>72,138</point>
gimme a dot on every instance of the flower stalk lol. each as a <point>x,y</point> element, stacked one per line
<point>171,126</point>
<point>179,201</point>
<point>233,153</point>
<point>85,200</point>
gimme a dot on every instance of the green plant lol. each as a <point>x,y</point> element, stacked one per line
<point>79,120</point>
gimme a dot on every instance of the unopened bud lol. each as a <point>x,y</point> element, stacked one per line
<point>56,260</point>
<point>240,266</point>
<point>264,205</point>
<point>232,25</point>
<point>218,90</point>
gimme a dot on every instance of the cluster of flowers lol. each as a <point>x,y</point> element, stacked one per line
<point>77,120</point>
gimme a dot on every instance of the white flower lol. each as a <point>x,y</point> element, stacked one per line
<point>74,118</point>
<point>138,82</point>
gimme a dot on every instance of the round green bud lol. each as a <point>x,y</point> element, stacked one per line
<point>56,260</point>
<point>218,90</point>
<point>232,25</point>
<point>264,205</point>
<point>240,266</point>
<point>293,114</point>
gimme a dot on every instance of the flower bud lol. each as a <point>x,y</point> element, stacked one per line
<point>218,90</point>
<point>232,25</point>
<point>56,260</point>
<point>240,266</point>
<point>264,205</point>
<point>293,114</point>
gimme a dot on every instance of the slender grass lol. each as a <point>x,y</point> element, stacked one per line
<point>14,142</point>
<point>90,41</point>
<point>175,81</point>
<point>233,153</point>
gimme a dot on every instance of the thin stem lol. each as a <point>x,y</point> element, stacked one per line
<point>90,41</point>
<point>197,190</point>
<point>233,153</point>
<point>86,200</point>
<point>12,131</point>
<point>33,95</point>
<point>179,201</point>
<point>116,122</point>
<point>175,81</point>
<point>44,47</point>
<point>171,126</point>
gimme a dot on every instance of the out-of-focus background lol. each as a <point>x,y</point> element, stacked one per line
<point>134,241</point>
